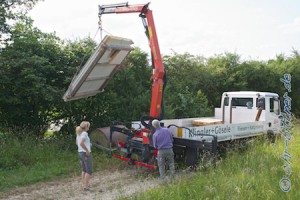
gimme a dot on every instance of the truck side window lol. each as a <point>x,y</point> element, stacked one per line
<point>242,102</point>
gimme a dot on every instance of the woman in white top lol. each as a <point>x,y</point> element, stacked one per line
<point>84,153</point>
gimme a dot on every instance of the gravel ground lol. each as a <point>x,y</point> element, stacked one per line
<point>104,185</point>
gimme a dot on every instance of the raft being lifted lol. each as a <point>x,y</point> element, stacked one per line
<point>94,76</point>
<point>100,67</point>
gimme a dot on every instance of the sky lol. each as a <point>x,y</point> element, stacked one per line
<point>254,29</point>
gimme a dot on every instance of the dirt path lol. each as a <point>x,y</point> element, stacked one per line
<point>105,185</point>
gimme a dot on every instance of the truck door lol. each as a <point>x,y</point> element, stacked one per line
<point>242,109</point>
<point>273,115</point>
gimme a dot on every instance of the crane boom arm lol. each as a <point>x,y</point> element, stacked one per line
<point>158,76</point>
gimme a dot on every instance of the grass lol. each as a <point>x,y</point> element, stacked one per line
<point>27,160</point>
<point>251,174</point>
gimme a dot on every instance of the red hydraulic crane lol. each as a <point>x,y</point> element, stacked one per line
<point>133,144</point>
<point>158,77</point>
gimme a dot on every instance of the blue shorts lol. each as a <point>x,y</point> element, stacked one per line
<point>86,162</point>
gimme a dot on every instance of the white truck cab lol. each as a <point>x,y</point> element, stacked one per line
<point>243,106</point>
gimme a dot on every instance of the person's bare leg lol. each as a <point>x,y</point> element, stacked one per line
<point>87,180</point>
<point>83,179</point>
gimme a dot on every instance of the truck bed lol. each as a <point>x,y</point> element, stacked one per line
<point>189,122</point>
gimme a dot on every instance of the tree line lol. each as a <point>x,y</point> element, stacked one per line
<point>36,69</point>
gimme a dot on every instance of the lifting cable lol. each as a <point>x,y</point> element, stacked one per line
<point>101,30</point>
<point>82,60</point>
<point>78,69</point>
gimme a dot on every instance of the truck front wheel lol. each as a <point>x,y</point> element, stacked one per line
<point>271,136</point>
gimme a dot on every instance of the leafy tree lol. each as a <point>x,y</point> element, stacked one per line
<point>283,65</point>
<point>220,74</point>
<point>36,69</point>
<point>12,10</point>
<point>132,85</point>
<point>183,96</point>
<point>31,67</point>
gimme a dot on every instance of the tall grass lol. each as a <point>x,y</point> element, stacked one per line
<point>29,160</point>
<point>251,174</point>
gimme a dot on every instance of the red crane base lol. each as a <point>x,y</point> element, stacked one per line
<point>136,162</point>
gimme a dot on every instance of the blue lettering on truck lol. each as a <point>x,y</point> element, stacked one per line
<point>209,130</point>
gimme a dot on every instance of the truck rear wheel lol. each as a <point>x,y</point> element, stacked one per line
<point>191,156</point>
<point>207,159</point>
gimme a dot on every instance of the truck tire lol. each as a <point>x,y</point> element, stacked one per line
<point>208,159</point>
<point>191,156</point>
<point>271,136</point>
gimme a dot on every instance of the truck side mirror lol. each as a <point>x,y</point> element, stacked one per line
<point>261,103</point>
